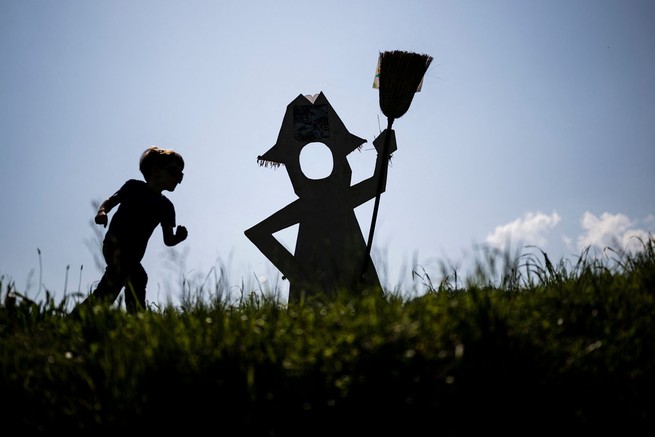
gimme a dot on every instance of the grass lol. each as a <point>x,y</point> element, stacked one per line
<point>522,347</point>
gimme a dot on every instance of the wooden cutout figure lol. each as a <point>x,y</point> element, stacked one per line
<point>330,247</point>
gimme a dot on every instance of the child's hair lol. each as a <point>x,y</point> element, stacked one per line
<point>156,157</point>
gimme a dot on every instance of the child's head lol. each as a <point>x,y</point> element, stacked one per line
<point>159,158</point>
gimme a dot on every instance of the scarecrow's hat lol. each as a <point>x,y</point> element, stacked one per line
<point>310,119</point>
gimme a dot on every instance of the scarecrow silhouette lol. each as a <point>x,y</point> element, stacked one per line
<point>330,248</point>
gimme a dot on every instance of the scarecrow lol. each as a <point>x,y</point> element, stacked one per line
<point>331,256</point>
<point>330,246</point>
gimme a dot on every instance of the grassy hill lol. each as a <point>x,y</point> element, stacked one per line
<point>551,349</point>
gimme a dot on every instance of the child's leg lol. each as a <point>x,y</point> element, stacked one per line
<point>109,286</point>
<point>135,290</point>
<point>106,292</point>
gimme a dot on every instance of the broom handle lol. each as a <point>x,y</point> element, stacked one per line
<point>381,182</point>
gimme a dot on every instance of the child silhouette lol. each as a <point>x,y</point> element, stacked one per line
<point>141,207</point>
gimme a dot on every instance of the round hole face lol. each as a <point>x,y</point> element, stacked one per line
<point>316,161</point>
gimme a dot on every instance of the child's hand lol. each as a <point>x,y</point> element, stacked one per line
<point>101,218</point>
<point>181,233</point>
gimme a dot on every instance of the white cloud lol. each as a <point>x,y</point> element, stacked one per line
<point>616,231</point>
<point>530,229</point>
<point>568,241</point>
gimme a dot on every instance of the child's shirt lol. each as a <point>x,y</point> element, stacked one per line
<point>140,210</point>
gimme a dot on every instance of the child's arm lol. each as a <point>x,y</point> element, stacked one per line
<point>105,207</point>
<point>170,238</point>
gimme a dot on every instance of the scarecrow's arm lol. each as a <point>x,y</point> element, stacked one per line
<point>367,189</point>
<point>261,236</point>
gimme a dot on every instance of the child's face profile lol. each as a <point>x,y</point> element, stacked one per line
<point>175,170</point>
<point>167,177</point>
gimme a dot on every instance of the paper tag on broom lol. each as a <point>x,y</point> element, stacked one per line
<point>376,79</point>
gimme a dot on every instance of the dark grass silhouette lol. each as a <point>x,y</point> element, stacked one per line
<point>559,348</point>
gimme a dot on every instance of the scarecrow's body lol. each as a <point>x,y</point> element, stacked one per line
<point>331,252</point>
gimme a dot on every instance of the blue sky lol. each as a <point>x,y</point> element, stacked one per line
<point>535,126</point>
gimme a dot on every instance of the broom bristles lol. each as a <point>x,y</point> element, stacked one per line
<point>400,75</point>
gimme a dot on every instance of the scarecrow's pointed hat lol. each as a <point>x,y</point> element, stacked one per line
<point>309,119</point>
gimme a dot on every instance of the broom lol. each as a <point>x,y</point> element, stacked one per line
<point>400,77</point>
